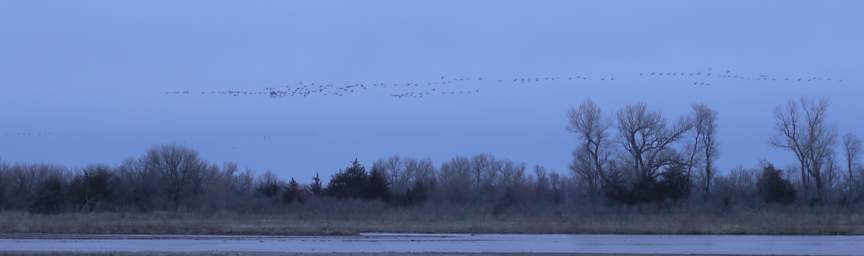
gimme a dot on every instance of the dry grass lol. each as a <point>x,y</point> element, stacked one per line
<point>423,220</point>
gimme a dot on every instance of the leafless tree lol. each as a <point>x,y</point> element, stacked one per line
<point>3,185</point>
<point>268,185</point>
<point>91,187</point>
<point>393,169</point>
<point>138,184</point>
<point>511,174</point>
<point>802,129</point>
<point>421,170</point>
<point>851,149</point>
<point>485,170</point>
<point>592,154</point>
<point>223,188</point>
<point>455,179</point>
<point>246,181</point>
<point>541,183</point>
<point>738,185</point>
<point>648,139</point>
<point>403,173</point>
<point>180,169</point>
<point>704,143</point>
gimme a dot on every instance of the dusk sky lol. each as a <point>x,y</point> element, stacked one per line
<point>84,82</point>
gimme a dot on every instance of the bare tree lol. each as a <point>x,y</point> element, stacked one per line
<point>455,179</point>
<point>246,181</point>
<point>511,174</point>
<point>591,156</point>
<point>851,148</point>
<point>485,169</point>
<point>268,186</point>
<point>803,130</point>
<point>394,169</point>
<point>704,143</point>
<point>139,184</point>
<point>90,187</point>
<point>420,171</point>
<point>541,184</point>
<point>180,169</point>
<point>648,140</point>
<point>4,184</point>
<point>403,173</point>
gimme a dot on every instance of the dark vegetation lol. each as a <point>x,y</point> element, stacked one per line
<point>632,162</point>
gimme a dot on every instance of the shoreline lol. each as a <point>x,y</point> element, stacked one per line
<point>415,222</point>
<point>84,236</point>
<point>442,244</point>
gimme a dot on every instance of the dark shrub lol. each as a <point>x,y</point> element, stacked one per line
<point>378,187</point>
<point>415,195</point>
<point>269,189</point>
<point>354,182</point>
<point>316,188</point>
<point>773,188</point>
<point>293,192</point>
<point>672,185</point>
<point>675,184</point>
<point>351,182</point>
<point>91,187</point>
<point>49,196</point>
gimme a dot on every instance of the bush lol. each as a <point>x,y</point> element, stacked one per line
<point>675,184</point>
<point>415,195</point>
<point>350,182</point>
<point>269,189</point>
<point>49,196</point>
<point>773,188</point>
<point>293,193</point>
<point>672,185</point>
<point>378,187</point>
<point>354,182</point>
<point>91,187</point>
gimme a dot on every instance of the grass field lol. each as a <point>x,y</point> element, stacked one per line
<point>421,220</point>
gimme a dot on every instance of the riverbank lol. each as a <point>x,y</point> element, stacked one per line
<point>446,244</point>
<point>419,221</point>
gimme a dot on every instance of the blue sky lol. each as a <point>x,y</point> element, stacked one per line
<point>84,81</point>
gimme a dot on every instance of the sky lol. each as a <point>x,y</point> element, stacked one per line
<point>85,82</point>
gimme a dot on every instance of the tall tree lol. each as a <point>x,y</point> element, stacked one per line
<point>592,154</point>
<point>851,148</point>
<point>802,129</point>
<point>648,139</point>
<point>180,169</point>
<point>704,143</point>
<point>315,188</point>
<point>455,179</point>
<point>483,168</point>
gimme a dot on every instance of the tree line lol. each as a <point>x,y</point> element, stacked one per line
<point>636,155</point>
<point>632,157</point>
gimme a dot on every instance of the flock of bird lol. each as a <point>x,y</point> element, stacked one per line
<point>27,134</point>
<point>706,78</point>
<point>448,86</point>
<point>443,86</point>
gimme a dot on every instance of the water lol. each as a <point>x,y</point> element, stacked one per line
<point>446,243</point>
